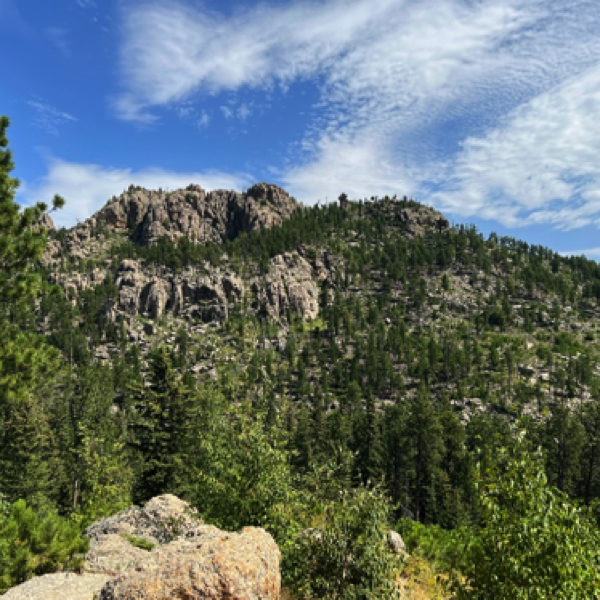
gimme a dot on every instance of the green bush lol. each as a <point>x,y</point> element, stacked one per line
<point>34,544</point>
<point>242,471</point>
<point>536,543</point>
<point>346,555</point>
<point>445,550</point>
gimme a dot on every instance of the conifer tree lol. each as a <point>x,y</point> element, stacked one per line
<point>167,417</point>
<point>426,447</point>
<point>29,368</point>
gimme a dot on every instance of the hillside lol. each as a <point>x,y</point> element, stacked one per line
<point>382,293</point>
<point>264,360</point>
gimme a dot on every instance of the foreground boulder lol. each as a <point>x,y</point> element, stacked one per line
<point>210,564</point>
<point>164,550</point>
<point>59,586</point>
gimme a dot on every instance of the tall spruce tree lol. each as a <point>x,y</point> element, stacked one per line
<point>167,417</point>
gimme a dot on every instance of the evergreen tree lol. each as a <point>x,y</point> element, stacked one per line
<point>426,447</point>
<point>563,438</point>
<point>167,419</point>
<point>30,370</point>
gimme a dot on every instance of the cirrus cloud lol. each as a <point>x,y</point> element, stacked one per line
<point>477,107</point>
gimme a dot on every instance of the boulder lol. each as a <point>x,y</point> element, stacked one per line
<point>189,559</point>
<point>59,586</point>
<point>396,543</point>
<point>159,521</point>
<point>210,564</point>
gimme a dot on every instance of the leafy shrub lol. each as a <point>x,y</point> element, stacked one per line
<point>33,544</point>
<point>536,543</point>
<point>445,550</point>
<point>346,556</point>
<point>242,471</point>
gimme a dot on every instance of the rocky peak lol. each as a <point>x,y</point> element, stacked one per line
<point>46,222</point>
<point>191,212</point>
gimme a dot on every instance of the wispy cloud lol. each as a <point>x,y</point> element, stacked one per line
<point>227,111</point>
<point>48,117</point>
<point>203,120</point>
<point>539,166</point>
<point>58,38</point>
<point>481,107</point>
<point>188,112</point>
<point>87,187</point>
<point>588,253</point>
<point>86,3</point>
<point>11,20</point>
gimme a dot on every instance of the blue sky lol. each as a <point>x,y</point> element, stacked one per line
<point>486,109</point>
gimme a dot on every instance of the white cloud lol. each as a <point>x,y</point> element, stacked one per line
<point>203,120</point>
<point>87,187</point>
<point>86,3</point>
<point>58,38</point>
<point>539,166</point>
<point>360,171</point>
<point>170,50</point>
<point>496,96</point>
<point>243,111</point>
<point>227,112</point>
<point>188,112</point>
<point>48,117</point>
<point>591,253</point>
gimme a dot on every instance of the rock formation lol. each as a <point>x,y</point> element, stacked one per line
<point>289,285</point>
<point>189,560</point>
<point>148,215</point>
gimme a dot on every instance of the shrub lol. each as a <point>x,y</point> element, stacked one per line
<point>536,543</point>
<point>139,542</point>
<point>445,550</point>
<point>242,471</point>
<point>347,555</point>
<point>33,544</point>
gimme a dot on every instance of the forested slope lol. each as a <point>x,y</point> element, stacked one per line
<point>343,366</point>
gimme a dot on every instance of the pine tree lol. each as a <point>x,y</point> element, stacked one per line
<point>167,418</point>
<point>29,369</point>
<point>563,437</point>
<point>368,444</point>
<point>92,442</point>
<point>426,445</point>
<point>22,238</point>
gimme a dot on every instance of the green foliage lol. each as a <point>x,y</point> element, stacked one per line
<point>242,471</point>
<point>444,549</point>
<point>105,480</point>
<point>31,377</point>
<point>139,542</point>
<point>33,543</point>
<point>536,543</point>
<point>345,556</point>
<point>30,371</point>
<point>163,430</point>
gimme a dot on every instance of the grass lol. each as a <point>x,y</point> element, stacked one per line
<point>419,581</point>
<point>139,542</point>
